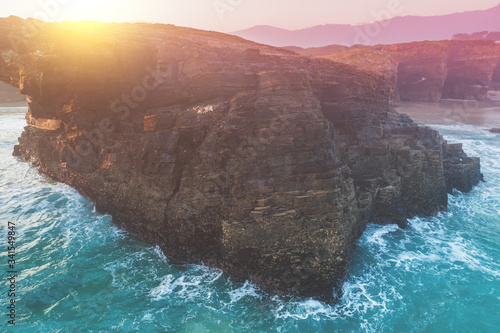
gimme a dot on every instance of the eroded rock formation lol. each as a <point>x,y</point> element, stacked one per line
<point>496,72</point>
<point>222,151</point>
<point>429,71</point>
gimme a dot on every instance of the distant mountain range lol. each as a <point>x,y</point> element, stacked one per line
<point>390,31</point>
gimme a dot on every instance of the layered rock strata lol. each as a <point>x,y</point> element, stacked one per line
<point>496,72</point>
<point>222,151</point>
<point>430,71</point>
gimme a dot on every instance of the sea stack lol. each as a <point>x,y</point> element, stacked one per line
<point>225,152</point>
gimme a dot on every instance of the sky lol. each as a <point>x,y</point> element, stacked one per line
<point>233,15</point>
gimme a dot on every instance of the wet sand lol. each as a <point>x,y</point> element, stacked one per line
<point>13,104</point>
<point>478,113</point>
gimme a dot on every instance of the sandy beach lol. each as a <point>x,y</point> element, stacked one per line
<point>478,113</point>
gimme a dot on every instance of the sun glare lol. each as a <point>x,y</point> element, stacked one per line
<point>91,10</point>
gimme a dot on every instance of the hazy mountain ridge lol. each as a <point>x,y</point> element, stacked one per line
<point>395,30</point>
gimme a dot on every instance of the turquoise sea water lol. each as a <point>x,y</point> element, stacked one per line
<point>80,273</point>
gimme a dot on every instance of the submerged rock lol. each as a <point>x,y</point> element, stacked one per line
<point>225,152</point>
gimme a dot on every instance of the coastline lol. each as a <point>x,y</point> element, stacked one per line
<point>470,112</point>
<point>13,104</point>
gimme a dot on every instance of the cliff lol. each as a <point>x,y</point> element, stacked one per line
<point>370,59</point>
<point>496,72</point>
<point>222,151</point>
<point>429,71</point>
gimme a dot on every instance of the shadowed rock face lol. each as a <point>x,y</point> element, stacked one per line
<point>429,71</point>
<point>496,72</point>
<point>222,151</point>
<point>470,69</point>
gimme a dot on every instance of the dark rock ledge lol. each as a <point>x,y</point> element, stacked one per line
<point>225,152</point>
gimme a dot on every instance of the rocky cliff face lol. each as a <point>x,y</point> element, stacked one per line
<point>222,151</point>
<point>429,71</point>
<point>496,72</point>
<point>470,69</point>
<point>378,61</point>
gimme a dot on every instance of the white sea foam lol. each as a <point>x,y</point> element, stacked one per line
<point>148,316</point>
<point>375,235</point>
<point>247,290</point>
<point>304,310</point>
<point>188,286</point>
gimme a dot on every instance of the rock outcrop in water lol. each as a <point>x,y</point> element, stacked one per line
<point>222,151</point>
<point>429,71</point>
